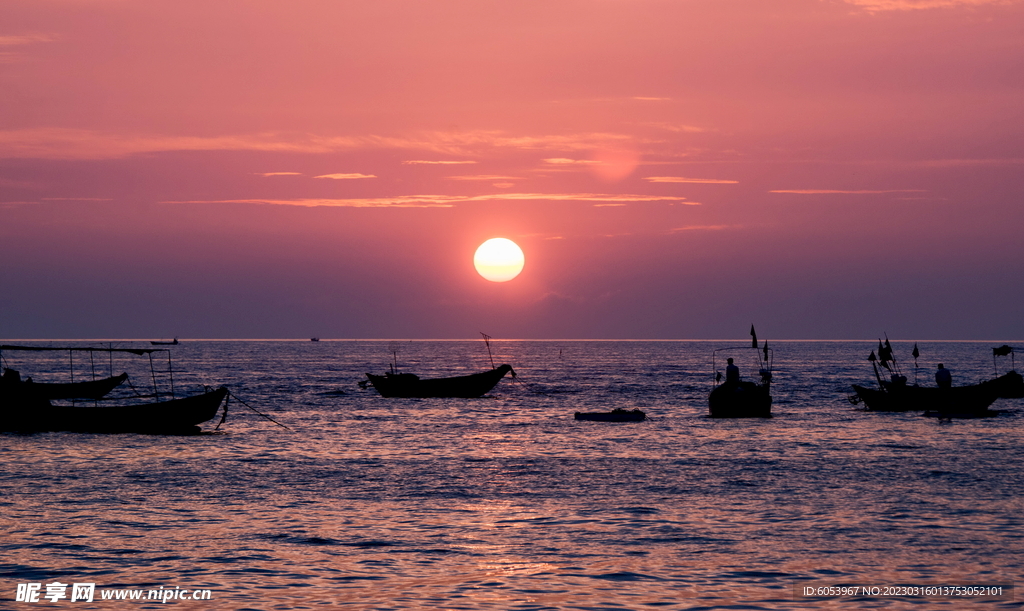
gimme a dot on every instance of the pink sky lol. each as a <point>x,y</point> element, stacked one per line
<point>672,169</point>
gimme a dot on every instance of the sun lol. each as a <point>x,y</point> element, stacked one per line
<point>499,260</point>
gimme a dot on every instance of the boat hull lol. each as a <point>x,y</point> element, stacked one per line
<point>177,416</point>
<point>740,400</point>
<point>1010,385</point>
<point>93,389</point>
<point>974,399</point>
<point>407,385</point>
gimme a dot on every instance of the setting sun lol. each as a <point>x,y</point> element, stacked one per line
<point>499,260</point>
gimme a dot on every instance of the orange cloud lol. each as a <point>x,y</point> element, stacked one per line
<point>346,176</point>
<point>565,161</point>
<point>279,173</point>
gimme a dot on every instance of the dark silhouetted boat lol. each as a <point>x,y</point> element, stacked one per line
<point>616,415</point>
<point>92,389</point>
<point>972,399</point>
<point>896,395</point>
<point>22,412</point>
<point>408,385</point>
<point>25,405</point>
<point>743,399</point>
<point>173,342</point>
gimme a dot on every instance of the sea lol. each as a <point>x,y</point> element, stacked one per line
<point>316,493</point>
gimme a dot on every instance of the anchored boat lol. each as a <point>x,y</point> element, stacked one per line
<point>25,405</point>
<point>737,398</point>
<point>896,395</point>
<point>410,385</point>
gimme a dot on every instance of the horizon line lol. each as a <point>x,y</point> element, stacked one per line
<point>208,339</point>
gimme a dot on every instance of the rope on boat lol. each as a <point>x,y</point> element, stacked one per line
<point>137,393</point>
<point>231,394</point>
<point>225,416</point>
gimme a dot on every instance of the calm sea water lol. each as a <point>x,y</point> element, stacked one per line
<point>507,502</point>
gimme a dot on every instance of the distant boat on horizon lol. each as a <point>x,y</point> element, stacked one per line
<point>314,339</point>
<point>175,342</point>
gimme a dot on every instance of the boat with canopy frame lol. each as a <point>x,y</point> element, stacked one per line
<point>25,404</point>
<point>743,399</point>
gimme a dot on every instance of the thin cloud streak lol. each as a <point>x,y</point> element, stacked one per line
<point>84,144</point>
<point>448,201</point>
<point>345,176</point>
<point>843,192</point>
<point>702,228</point>
<point>566,161</point>
<point>952,163</point>
<point>278,173</point>
<point>914,5</point>
<point>25,39</point>
<point>485,177</point>
<point>425,162</point>
<point>680,179</point>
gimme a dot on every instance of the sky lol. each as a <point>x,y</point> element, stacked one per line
<point>672,169</point>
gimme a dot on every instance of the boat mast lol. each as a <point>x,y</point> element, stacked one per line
<point>487,341</point>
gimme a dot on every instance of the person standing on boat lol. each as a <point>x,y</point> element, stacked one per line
<point>732,373</point>
<point>943,377</point>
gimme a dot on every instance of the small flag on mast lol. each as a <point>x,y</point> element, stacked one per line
<point>915,353</point>
<point>753,341</point>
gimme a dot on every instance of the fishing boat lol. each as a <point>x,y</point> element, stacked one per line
<point>55,391</point>
<point>23,413</point>
<point>971,399</point>
<point>409,385</point>
<point>25,405</point>
<point>736,398</point>
<point>173,342</point>
<point>896,395</point>
<point>616,415</point>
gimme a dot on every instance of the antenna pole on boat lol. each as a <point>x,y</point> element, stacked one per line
<point>71,359</point>
<point>487,341</point>
<point>874,364</point>
<point>170,372</point>
<point>152,372</point>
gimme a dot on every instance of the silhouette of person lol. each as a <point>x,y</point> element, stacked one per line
<point>732,373</point>
<point>943,377</point>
